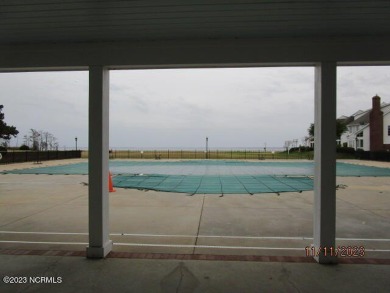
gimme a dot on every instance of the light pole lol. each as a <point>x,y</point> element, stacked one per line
<point>207,147</point>
<point>75,139</point>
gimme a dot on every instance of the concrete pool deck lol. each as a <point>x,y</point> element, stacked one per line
<point>49,213</point>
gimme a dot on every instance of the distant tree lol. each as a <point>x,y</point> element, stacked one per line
<point>340,129</point>
<point>310,130</point>
<point>6,131</point>
<point>40,140</point>
<point>26,140</point>
<point>34,138</point>
<point>48,141</point>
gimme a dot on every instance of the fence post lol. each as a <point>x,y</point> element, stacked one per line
<point>245,154</point>
<point>181,154</point>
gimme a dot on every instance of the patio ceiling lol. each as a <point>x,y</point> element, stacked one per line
<point>69,21</point>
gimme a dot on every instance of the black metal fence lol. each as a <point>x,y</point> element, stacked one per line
<point>37,156</point>
<point>198,154</point>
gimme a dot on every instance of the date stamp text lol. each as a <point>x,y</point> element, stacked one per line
<point>338,251</point>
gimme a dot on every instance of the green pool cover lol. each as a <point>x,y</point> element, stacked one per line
<point>225,184</point>
<point>212,176</point>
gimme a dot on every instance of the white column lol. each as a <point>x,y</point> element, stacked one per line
<point>99,243</point>
<point>325,161</point>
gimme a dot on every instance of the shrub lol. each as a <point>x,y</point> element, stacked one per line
<point>346,150</point>
<point>301,149</point>
<point>24,147</point>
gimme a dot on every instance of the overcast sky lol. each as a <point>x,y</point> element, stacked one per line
<point>242,107</point>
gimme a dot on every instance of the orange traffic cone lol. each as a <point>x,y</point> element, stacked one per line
<point>110,186</point>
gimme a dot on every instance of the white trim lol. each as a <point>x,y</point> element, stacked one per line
<point>199,236</point>
<point>181,246</point>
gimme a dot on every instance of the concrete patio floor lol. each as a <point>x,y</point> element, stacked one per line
<point>49,213</point>
<point>78,274</point>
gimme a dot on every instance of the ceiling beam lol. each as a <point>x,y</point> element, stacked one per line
<point>196,53</point>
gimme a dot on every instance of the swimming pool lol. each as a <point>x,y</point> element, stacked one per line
<point>212,176</point>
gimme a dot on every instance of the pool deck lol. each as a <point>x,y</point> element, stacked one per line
<point>200,243</point>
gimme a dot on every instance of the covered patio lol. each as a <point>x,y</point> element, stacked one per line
<point>101,36</point>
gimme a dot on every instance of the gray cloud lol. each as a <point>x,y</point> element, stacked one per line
<point>242,107</point>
